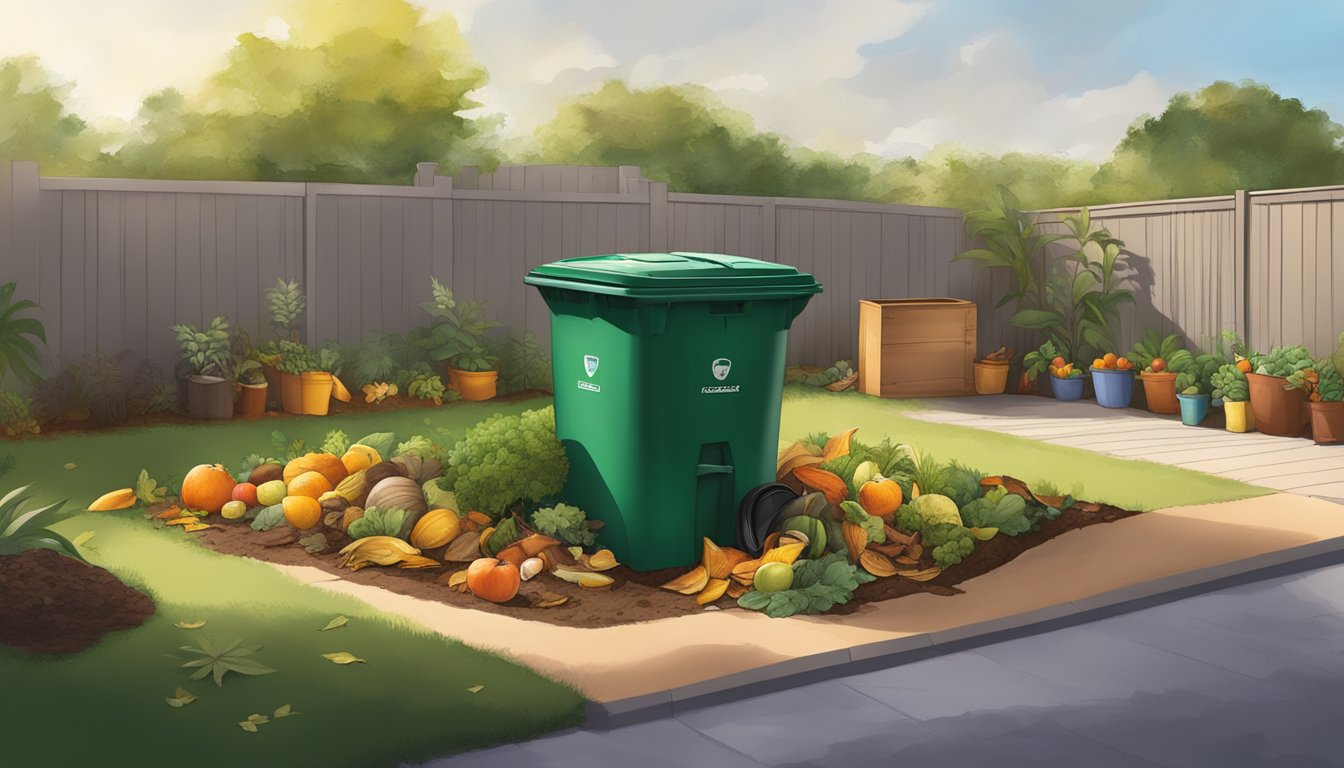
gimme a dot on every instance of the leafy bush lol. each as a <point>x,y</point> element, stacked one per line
<point>61,395</point>
<point>15,418</point>
<point>1229,383</point>
<point>815,377</point>
<point>523,364</point>
<point>421,447</point>
<point>566,523</point>
<point>150,393</point>
<point>295,357</point>
<point>458,333</point>
<point>1283,361</point>
<point>205,352</point>
<point>961,483</point>
<point>427,386</point>
<point>998,509</point>
<point>507,459</point>
<point>818,585</point>
<point>336,442</point>
<point>1331,384</point>
<point>18,355</point>
<point>1038,360</point>
<point>373,360</point>
<point>106,393</point>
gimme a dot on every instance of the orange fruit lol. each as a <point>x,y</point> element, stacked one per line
<point>310,484</point>
<point>1123,364</point>
<point>1244,365</point>
<point>1158,365</point>
<point>1110,360</point>
<point>1058,362</point>
<point>302,512</point>
<point>1099,363</point>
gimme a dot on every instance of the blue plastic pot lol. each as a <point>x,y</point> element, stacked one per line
<point>1114,388</point>
<point>1194,408</point>
<point>1067,389</point>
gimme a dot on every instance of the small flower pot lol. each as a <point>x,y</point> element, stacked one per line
<point>315,387</point>
<point>1327,422</point>
<point>1159,389</point>
<point>1115,389</point>
<point>272,384</point>
<point>1194,409</point>
<point>1067,389</point>
<point>473,385</point>
<point>991,377</point>
<point>1239,416</point>
<point>209,397</point>
<point>1278,408</point>
<point>291,393</point>
<point>252,399</point>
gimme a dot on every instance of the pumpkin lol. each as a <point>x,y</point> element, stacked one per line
<point>310,484</point>
<point>359,458</point>
<point>830,484</point>
<point>350,515</point>
<point>265,473</point>
<point>880,496</point>
<point>436,529</point>
<point>325,464</point>
<point>302,512</point>
<point>381,471</point>
<point>492,579</point>
<point>207,487</point>
<point>399,493</point>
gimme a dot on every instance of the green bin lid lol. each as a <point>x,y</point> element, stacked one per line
<point>672,274</point>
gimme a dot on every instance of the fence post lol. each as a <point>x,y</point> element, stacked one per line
<point>625,175</point>
<point>424,174</point>
<point>769,252</point>
<point>658,215</point>
<point>310,261</point>
<point>1241,256</point>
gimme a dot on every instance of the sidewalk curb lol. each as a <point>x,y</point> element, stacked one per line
<point>891,653</point>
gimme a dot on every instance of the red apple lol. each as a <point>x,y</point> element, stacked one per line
<point>246,493</point>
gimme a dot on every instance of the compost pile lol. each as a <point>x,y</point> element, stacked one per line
<point>50,603</point>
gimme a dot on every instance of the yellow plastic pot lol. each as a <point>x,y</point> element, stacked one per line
<point>473,385</point>
<point>1240,418</point>
<point>316,386</point>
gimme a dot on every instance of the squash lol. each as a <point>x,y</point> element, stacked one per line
<point>492,579</point>
<point>310,484</point>
<point>350,515</point>
<point>880,496</point>
<point>830,484</point>
<point>399,493</point>
<point>207,487</point>
<point>354,488</point>
<point>436,529</point>
<point>302,512</point>
<point>381,471</point>
<point>326,464</point>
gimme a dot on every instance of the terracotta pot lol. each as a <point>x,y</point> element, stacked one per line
<point>1278,409</point>
<point>272,384</point>
<point>209,397</point>
<point>1327,422</point>
<point>316,392</point>
<point>291,393</point>
<point>252,399</point>
<point>991,377</point>
<point>1159,390</point>
<point>473,385</point>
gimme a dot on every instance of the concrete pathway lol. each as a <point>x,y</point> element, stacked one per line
<point>1247,676</point>
<point>1292,464</point>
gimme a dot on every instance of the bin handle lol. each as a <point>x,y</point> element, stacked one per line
<point>713,469</point>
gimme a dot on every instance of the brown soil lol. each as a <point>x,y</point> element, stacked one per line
<point>50,603</point>
<point>356,405</point>
<point>636,596</point>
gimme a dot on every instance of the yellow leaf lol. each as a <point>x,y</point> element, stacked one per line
<point>248,725</point>
<point>343,658</point>
<point>585,579</point>
<point>476,688</point>
<point>838,446</point>
<point>284,710</point>
<point>181,698</point>
<point>122,498</point>
<point>182,520</point>
<point>690,582</point>
<point>712,591</point>
<point>784,553</point>
<point>194,527</point>
<point>189,624</point>
<point>715,561</point>
<point>83,539</point>
<point>336,623</point>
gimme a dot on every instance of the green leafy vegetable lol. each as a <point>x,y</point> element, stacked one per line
<point>818,585</point>
<point>269,517</point>
<point>336,443</point>
<point>566,523</point>
<point>378,522</point>
<point>382,442</point>
<point>504,535</point>
<point>951,543</point>
<point>873,525</point>
<point>961,484</point>
<point>506,459</point>
<point>421,447</point>
<point>999,509</point>
<point>219,661</point>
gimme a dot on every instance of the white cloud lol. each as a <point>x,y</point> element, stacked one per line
<point>581,52</point>
<point>740,82</point>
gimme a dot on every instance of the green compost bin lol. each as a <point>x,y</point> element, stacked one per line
<point>669,370</point>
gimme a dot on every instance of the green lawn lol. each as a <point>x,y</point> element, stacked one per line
<point>411,701</point>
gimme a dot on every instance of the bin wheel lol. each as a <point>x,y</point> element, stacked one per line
<point>758,513</point>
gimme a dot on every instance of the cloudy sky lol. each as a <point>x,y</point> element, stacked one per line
<point>891,77</point>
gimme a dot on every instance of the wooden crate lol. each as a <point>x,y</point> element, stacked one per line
<point>916,347</point>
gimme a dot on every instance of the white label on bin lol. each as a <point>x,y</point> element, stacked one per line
<point>590,365</point>
<point>721,366</point>
<point>719,390</point>
<point>590,386</point>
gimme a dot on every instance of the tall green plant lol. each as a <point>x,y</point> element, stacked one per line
<point>1014,242</point>
<point>287,304</point>
<point>205,351</point>
<point>458,333</point>
<point>20,530</point>
<point>18,354</point>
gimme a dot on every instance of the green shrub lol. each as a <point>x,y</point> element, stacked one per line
<point>507,459</point>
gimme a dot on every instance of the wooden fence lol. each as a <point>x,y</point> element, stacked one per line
<point>114,262</point>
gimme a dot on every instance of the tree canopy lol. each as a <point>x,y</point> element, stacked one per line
<point>35,123</point>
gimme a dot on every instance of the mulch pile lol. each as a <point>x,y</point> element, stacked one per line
<point>50,603</point>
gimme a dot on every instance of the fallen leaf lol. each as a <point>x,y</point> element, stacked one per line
<point>843,384</point>
<point>189,624</point>
<point>476,688</point>
<point>194,527</point>
<point>258,719</point>
<point>343,658</point>
<point>838,446</point>
<point>315,544</point>
<point>458,581</point>
<point>83,539</point>
<point>187,520</point>
<point>797,455</point>
<point>418,562</point>
<point>690,582</point>
<point>548,599</point>
<point>171,512</point>
<point>876,563</point>
<point>771,541</point>
<point>924,575</point>
<point>181,698</point>
<point>248,725</point>
<point>784,553</point>
<point>715,561</point>
<point>856,539</point>
<point>71,466</point>
<point>713,590</point>
<point>284,710</point>
<point>736,590</point>
<point>336,623</point>
<point>585,579</point>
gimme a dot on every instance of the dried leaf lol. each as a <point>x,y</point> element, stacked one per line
<point>924,575</point>
<point>856,539</point>
<point>736,590</point>
<point>173,511</point>
<point>915,550</point>
<point>463,549</point>
<point>784,553</point>
<point>771,541</point>
<point>548,599</point>
<point>187,520</point>
<point>888,549</point>
<point>343,658</point>
<point>284,710</point>
<point>843,384</point>
<point>194,527</point>
<point>315,543</point>
<point>189,624</point>
<point>181,698</point>
<point>690,582</point>
<point>415,562</point>
<point>797,455</point>
<point>745,572</point>
<point>585,579</point>
<point>601,560</point>
<point>838,445</point>
<point>259,719</point>
<point>476,688</point>
<point>337,623</point>
<point>71,465</point>
<point>904,560</point>
<point>713,590</point>
<point>876,563</point>
<point>83,539</point>
<point>479,518</point>
<point>248,725</point>
<point>534,544</point>
<point>896,536</point>
<point>715,562</point>
<point>458,581</point>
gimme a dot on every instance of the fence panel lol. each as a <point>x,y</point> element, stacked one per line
<point>1295,286</point>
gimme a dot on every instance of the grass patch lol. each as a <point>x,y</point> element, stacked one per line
<point>1126,483</point>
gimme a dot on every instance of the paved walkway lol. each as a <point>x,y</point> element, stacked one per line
<point>1291,464</point>
<point>1248,676</point>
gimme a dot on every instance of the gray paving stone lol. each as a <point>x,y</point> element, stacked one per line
<point>673,738</point>
<point>796,726</point>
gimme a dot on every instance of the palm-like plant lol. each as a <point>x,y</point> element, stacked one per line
<point>18,354</point>
<point>1012,241</point>
<point>20,530</point>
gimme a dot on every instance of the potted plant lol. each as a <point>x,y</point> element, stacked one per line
<point>1066,380</point>
<point>1113,380</point>
<point>1323,387</point>
<point>252,387</point>
<point>1159,360</point>
<point>458,338</point>
<point>206,360</point>
<point>991,372</point>
<point>319,384</point>
<point>1277,405</point>
<point>1229,385</point>
<point>292,360</point>
<point>1034,363</point>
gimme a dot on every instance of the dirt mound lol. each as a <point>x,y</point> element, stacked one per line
<point>50,603</point>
